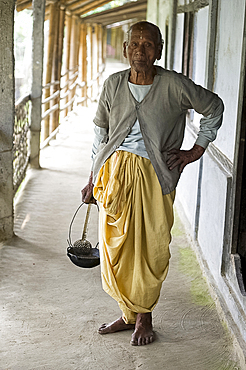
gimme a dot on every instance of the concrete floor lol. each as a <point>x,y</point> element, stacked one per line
<point>51,309</point>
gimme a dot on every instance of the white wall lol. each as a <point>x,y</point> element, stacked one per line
<point>152,11</point>
<point>212,215</point>
<point>214,184</point>
<point>228,65</point>
<point>178,47</point>
<point>200,52</point>
<point>212,205</point>
<point>214,179</point>
<point>214,189</point>
<point>187,188</point>
<point>160,16</point>
<point>200,46</point>
<point>162,20</point>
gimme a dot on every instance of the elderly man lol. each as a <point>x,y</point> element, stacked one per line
<point>137,162</point>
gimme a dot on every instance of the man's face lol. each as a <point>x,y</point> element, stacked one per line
<point>142,49</point>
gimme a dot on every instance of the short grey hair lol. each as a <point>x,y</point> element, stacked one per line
<point>145,24</point>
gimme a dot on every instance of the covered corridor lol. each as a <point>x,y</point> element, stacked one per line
<point>51,309</point>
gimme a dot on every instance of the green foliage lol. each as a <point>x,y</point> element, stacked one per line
<point>22,34</point>
<point>23,51</point>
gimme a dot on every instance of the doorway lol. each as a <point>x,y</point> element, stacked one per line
<point>239,224</point>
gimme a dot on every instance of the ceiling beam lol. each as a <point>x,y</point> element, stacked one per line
<point>27,4</point>
<point>21,5</point>
<point>128,11</point>
<point>131,10</point>
<point>106,21</point>
<point>90,6</point>
<point>114,18</point>
<point>77,4</point>
<point>132,6</point>
<point>69,2</point>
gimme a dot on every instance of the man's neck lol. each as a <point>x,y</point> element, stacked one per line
<point>142,78</point>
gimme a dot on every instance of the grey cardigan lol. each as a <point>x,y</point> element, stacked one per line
<point>161,114</point>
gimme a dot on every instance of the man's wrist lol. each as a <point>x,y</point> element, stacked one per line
<point>91,177</point>
<point>197,151</point>
<point>198,148</point>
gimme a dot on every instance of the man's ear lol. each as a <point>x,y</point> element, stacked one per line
<point>159,52</point>
<point>124,49</point>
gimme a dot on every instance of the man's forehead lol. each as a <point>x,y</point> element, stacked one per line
<point>143,31</point>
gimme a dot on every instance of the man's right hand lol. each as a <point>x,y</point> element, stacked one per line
<point>87,192</point>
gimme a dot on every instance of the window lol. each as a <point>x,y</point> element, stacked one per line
<point>188,44</point>
<point>166,46</point>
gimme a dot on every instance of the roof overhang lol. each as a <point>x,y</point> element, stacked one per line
<point>132,10</point>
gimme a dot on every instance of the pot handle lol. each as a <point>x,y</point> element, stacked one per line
<point>71,223</point>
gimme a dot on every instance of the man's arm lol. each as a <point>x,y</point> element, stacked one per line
<point>101,135</point>
<point>183,157</point>
<point>207,133</point>
<point>87,191</point>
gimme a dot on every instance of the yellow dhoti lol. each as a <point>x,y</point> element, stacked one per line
<point>134,232</point>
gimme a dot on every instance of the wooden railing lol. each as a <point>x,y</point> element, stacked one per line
<point>72,91</point>
<point>69,91</point>
<point>21,151</point>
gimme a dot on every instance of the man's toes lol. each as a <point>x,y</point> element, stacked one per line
<point>141,341</point>
<point>134,341</point>
<point>149,339</point>
<point>102,328</point>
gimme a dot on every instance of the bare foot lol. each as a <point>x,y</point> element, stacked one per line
<point>143,333</point>
<point>117,325</point>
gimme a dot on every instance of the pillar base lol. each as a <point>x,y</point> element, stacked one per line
<point>6,228</point>
<point>34,149</point>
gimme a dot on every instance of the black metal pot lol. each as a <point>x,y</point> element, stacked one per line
<point>81,252</point>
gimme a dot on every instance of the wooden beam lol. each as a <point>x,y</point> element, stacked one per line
<point>67,53</point>
<point>104,45</point>
<point>97,56</point>
<point>23,5</point>
<point>118,45</point>
<point>74,50</point>
<point>90,57</point>
<point>83,60</point>
<point>57,62</point>
<point>129,7</point>
<point>18,2</point>
<point>128,11</point>
<point>91,6</point>
<point>49,63</point>
<point>54,88</point>
<point>133,5</point>
<point>69,2</point>
<point>114,18</point>
<point>60,40</point>
<point>78,4</point>
<point>100,34</point>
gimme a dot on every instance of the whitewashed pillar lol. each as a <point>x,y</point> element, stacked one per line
<point>7,103</point>
<point>37,78</point>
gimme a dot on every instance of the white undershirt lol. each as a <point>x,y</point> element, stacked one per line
<point>134,142</point>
